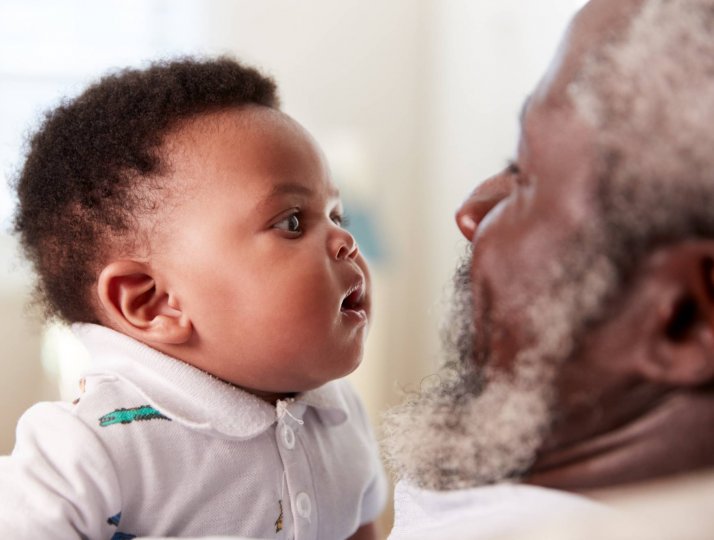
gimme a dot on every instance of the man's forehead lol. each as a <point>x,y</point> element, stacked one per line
<point>597,23</point>
<point>557,142</point>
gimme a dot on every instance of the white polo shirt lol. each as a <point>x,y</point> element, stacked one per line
<point>156,447</point>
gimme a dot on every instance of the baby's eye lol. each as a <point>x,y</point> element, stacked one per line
<point>290,224</point>
<point>340,220</point>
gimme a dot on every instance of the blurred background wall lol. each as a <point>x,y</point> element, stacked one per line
<point>414,102</point>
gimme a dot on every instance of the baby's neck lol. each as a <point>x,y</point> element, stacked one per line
<point>271,397</point>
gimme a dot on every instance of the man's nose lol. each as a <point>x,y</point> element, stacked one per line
<point>481,201</point>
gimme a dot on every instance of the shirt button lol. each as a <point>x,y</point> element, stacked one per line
<point>303,505</point>
<point>288,437</point>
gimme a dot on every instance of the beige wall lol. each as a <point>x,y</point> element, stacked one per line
<point>23,381</point>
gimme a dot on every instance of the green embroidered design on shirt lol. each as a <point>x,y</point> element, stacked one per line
<point>127,416</point>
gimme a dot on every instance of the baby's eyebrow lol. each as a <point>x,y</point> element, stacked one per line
<point>291,188</point>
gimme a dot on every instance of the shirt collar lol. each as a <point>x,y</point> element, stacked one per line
<point>193,397</point>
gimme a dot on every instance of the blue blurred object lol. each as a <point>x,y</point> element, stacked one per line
<point>362,223</point>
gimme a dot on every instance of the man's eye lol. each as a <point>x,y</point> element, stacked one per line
<point>514,170</point>
<point>290,224</point>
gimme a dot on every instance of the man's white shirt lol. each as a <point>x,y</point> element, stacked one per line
<point>485,512</point>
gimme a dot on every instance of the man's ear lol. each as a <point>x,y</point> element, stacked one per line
<point>681,289</point>
<point>137,306</point>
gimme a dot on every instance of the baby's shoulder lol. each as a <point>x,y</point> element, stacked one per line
<point>106,399</point>
<point>51,436</point>
<point>103,401</point>
<point>59,464</point>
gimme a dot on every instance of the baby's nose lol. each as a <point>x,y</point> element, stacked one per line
<point>343,245</point>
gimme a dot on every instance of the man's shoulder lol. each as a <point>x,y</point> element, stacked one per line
<point>480,512</point>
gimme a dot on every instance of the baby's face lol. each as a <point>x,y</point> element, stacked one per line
<point>255,254</point>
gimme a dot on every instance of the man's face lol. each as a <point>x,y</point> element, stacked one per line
<point>275,288</point>
<point>536,271</point>
<point>542,282</point>
<point>536,277</point>
<point>532,270</point>
<point>520,223</point>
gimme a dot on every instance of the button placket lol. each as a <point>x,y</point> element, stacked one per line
<point>303,504</point>
<point>299,488</point>
<point>288,436</point>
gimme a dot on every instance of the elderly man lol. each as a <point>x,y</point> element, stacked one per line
<point>583,334</point>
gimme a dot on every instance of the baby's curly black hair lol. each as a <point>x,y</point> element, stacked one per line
<point>79,188</point>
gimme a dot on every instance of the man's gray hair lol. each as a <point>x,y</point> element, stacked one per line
<point>650,96</point>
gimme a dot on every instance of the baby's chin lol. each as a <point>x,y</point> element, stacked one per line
<point>345,365</point>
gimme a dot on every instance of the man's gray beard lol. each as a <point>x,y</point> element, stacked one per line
<point>472,424</point>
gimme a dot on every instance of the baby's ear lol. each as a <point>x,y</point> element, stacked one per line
<point>135,304</point>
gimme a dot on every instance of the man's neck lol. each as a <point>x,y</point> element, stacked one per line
<point>674,437</point>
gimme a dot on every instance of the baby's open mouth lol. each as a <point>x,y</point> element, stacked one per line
<point>354,300</point>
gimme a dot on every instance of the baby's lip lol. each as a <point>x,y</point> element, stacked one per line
<point>354,297</point>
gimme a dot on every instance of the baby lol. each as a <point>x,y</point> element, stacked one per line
<point>191,233</point>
